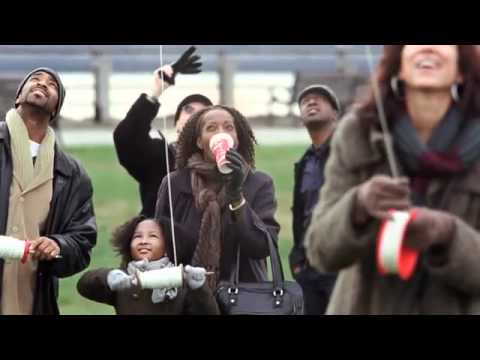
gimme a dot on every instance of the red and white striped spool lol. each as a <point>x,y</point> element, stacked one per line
<point>392,256</point>
<point>12,248</point>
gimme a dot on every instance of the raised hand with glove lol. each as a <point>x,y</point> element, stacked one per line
<point>195,276</point>
<point>164,77</point>
<point>378,195</point>
<point>187,64</point>
<point>236,179</point>
<point>160,83</point>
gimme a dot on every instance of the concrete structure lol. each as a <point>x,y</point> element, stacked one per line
<point>311,60</point>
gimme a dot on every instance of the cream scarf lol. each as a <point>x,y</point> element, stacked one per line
<point>30,197</point>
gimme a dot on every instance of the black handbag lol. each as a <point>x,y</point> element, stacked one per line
<point>278,297</point>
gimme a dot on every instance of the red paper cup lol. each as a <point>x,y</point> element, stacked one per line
<point>392,256</point>
<point>219,145</point>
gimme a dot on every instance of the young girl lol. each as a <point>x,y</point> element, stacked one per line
<point>145,245</point>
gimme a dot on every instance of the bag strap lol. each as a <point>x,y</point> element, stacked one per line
<point>276,265</point>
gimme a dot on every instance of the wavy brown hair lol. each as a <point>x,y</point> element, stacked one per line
<point>389,66</point>
<point>187,142</point>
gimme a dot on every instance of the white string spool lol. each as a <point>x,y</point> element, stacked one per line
<point>166,278</point>
<point>14,249</point>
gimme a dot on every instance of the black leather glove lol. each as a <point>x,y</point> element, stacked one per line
<point>236,179</point>
<point>187,64</point>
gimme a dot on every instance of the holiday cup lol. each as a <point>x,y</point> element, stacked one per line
<point>219,145</point>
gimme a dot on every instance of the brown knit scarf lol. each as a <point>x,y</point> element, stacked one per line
<point>209,193</point>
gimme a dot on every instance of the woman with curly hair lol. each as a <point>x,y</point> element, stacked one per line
<point>431,96</point>
<point>224,213</point>
<point>145,245</point>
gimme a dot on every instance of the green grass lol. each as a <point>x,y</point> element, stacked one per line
<point>116,199</point>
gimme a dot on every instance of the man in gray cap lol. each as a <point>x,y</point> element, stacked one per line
<point>319,110</point>
<point>45,200</point>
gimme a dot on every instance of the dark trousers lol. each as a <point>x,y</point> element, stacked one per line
<point>317,289</point>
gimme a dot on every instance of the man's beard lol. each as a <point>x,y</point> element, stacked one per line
<point>43,108</point>
<point>320,124</point>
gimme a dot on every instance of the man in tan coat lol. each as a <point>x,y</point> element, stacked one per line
<point>45,198</point>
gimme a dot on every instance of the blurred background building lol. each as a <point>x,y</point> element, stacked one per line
<point>262,81</point>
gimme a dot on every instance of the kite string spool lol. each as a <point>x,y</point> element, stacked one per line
<point>392,256</point>
<point>11,248</point>
<point>166,278</point>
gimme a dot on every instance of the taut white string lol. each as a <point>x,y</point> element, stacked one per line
<point>169,184</point>
<point>381,114</point>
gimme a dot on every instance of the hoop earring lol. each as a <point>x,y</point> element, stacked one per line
<point>455,93</point>
<point>395,85</point>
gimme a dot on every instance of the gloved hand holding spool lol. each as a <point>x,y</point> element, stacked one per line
<point>375,199</point>
<point>406,231</point>
<point>171,277</point>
